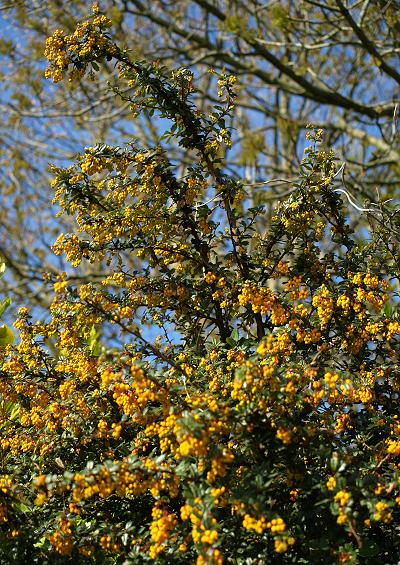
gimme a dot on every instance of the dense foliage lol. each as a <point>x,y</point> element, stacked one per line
<point>333,63</point>
<point>233,396</point>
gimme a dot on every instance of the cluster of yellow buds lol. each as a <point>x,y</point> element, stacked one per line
<point>88,38</point>
<point>250,523</point>
<point>331,483</point>
<point>61,539</point>
<point>324,304</point>
<point>382,512</point>
<point>342,497</point>
<point>282,544</point>
<point>276,525</point>
<point>285,435</point>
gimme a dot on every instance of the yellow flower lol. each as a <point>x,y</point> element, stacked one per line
<point>331,483</point>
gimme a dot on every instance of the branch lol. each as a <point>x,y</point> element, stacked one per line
<point>368,44</point>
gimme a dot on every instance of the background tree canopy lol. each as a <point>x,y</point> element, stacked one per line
<point>333,64</point>
<point>208,371</point>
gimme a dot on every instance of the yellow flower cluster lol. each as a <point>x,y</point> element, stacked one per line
<point>343,498</point>
<point>61,539</point>
<point>88,40</point>
<point>382,512</point>
<point>163,522</point>
<point>331,483</point>
<point>263,301</point>
<point>250,523</point>
<point>285,435</point>
<point>324,304</point>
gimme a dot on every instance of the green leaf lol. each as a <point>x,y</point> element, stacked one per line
<point>6,336</point>
<point>388,310</point>
<point>41,542</point>
<point>14,411</point>
<point>235,335</point>
<point>93,341</point>
<point>5,304</point>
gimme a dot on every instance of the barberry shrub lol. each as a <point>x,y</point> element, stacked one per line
<point>231,399</point>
